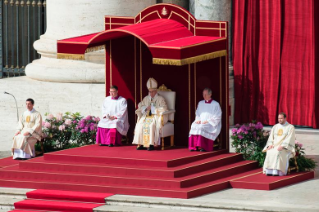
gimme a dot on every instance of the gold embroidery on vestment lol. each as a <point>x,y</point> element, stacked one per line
<point>27,119</point>
<point>280,132</point>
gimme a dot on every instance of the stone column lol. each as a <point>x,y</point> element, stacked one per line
<point>218,10</point>
<point>69,18</point>
<point>182,3</point>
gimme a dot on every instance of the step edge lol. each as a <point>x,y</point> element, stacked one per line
<point>132,178</point>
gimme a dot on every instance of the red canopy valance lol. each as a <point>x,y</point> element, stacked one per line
<point>174,40</point>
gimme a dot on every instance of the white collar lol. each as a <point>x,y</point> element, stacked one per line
<point>29,112</point>
<point>286,123</point>
<point>153,97</point>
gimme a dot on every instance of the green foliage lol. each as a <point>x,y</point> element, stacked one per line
<point>304,163</point>
<point>68,131</point>
<point>250,139</point>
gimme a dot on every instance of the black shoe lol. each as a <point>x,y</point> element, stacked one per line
<point>111,145</point>
<point>202,150</point>
<point>102,144</point>
<point>150,148</point>
<point>269,174</point>
<point>192,150</point>
<point>140,148</point>
<point>17,159</point>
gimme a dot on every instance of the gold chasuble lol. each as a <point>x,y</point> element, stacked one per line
<point>149,123</point>
<point>30,121</point>
<point>280,135</point>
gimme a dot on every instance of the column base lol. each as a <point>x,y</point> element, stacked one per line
<point>58,70</point>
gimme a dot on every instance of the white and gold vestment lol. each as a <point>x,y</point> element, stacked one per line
<point>278,161</point>
<point>31,122</point>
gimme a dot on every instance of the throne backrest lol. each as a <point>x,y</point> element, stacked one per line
<point>170,98</point>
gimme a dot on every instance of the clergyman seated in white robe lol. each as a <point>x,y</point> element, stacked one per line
<point>149,124</point>
<point>114,122</point>
<point>28,133</point>
<point>207,125</point>
<point>280,148</point>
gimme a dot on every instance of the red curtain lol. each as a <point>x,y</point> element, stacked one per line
<point>274,52</point>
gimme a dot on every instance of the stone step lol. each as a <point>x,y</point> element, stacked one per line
<point>123,208</point>
<point>8,196</point>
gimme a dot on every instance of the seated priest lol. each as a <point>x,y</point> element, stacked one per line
<point>149,124</point>
<point>207,124</point>
<point>114,122</point>
<point>28,133</point>
<point>280,147</point>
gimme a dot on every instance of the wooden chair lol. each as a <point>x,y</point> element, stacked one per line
<point>217,143</point>
<point>38,153</point>
<point>293,167</point>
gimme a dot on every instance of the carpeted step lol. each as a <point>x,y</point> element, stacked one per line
<point>55,205</point>
<point>190,192</point>
<point>39,164</point>
<point>68,195</point>
<point>17,210</point>
<point>263,182</point>
<point>127,155</point>
<point>187,181</point>
<point>8,162</point>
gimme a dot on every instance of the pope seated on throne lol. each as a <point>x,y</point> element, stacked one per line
<point>150,123</point>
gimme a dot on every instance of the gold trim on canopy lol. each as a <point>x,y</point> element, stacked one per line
<point>71,56</point>
<point>94,48</point>
<point>190,60</point>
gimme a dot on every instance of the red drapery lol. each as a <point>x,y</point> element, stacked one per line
<point>274,52</point>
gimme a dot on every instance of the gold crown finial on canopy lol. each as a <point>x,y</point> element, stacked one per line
<point>164,11</point>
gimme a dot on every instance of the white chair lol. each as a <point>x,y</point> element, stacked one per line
<point>168,116</point>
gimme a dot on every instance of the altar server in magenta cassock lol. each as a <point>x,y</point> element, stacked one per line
<point>280,147</point>
<point>207,124</point>
<point>149,124</point>
<point>29,131</point>
<point>114,122</point>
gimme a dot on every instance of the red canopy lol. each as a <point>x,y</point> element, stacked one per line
<point>171,42</point>
<point>162,34</point>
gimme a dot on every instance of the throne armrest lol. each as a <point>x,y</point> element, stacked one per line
<point>167,116</point>
<point>167,112</point>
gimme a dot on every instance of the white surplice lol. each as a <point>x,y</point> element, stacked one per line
<point>115,107</point>
<point>280,135</point>
<point>30,121</point>
<point>212,113</point>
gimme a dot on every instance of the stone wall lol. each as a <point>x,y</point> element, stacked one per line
<point>49,98</point>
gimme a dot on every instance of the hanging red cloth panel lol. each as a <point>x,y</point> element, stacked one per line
<point>274,61</point>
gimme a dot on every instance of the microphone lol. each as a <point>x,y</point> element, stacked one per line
<point>16,104</point>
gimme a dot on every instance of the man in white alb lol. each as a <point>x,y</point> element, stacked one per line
<point>149,124</point>
<point>114,122</point>
<point>207,124</point>
<point>28,133</point>
<point>280,147</point>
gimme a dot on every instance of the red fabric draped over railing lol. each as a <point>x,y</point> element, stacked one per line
<point>274,51</point>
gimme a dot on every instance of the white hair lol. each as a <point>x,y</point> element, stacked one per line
<point>209,91</point>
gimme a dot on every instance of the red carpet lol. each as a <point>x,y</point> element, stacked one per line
<point>68,195</point>
<point>54,200</point>
<point>175,173</point>
<point>263,182</point>
<point>8,162</point>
